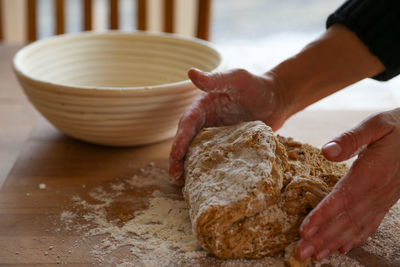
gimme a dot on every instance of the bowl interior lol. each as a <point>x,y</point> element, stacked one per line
<point>115,60</point>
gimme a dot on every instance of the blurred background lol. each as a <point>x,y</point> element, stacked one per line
<point>251,34</point>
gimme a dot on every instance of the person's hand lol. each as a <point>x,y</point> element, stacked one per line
<point>228,98</point>
<point>359,201</point>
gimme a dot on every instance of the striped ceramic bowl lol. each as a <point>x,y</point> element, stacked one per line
<point>113,88</point>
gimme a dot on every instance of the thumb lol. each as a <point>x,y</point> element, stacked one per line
<point>210,82</point>
<point>351,142</point>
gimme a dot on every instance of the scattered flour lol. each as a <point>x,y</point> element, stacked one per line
<point>67,216</point>
<point>42,186</point>
<point>153,232</point>
<point>118,186</point>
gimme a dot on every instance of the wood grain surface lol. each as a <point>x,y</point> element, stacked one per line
<point>28,214</point>
<point>17,116</point>
<point>63,164</point>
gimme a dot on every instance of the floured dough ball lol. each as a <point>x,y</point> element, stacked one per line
<point>248,190</point>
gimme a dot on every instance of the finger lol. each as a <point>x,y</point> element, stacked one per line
<point>214,82</point>
<point>191,122</point>
<point>380,209</point>
<point>343,229</point>
<point>217,82</point>
<point>345,211</point>
<point>325,211</point>
<point>368,231</point>
<point>342,238</point>
<point>347,144</point>
<point>351,209</point>
<point>337,232</point>
<point>187,129</point>
<point>331,247</point>
<point>367,175</point>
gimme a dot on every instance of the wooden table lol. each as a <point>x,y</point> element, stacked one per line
<point>28,214</point>
<point>17,117</point>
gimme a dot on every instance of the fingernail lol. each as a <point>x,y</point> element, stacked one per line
<point>333,149</point>
<point>322,255</point>
<point>309,233</point>
<point>306,252</point>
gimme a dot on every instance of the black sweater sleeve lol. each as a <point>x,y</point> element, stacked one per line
<point>377,24</point>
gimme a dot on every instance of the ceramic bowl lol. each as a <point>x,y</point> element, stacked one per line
<point>113,88</point>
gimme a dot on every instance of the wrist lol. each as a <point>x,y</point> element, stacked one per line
<point>287,107</point>
<point>335,60</point>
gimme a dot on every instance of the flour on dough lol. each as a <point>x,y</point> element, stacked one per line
<point>248,190</point>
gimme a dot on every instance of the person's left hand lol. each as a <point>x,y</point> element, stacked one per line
<point>359,201</point>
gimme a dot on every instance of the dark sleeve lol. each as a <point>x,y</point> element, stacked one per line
<point>377,24</point>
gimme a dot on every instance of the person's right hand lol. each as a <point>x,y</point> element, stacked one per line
<point>228,98</point>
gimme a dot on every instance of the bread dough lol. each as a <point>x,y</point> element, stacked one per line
<point>248,190</point>
<point>290,260</point>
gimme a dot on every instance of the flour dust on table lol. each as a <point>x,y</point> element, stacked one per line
<point>121,229</point>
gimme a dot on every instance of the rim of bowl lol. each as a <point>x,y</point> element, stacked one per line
<point>91,89</point>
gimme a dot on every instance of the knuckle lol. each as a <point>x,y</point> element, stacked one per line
<point>351,139</point>
<point>241,75</point>
<point>221,81</point>
<point>379,117</point>
<point>395,115</point>
<point>244,79</point>
<point>241,72</point>
<point>218,75</point>
<point>383,120</point>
